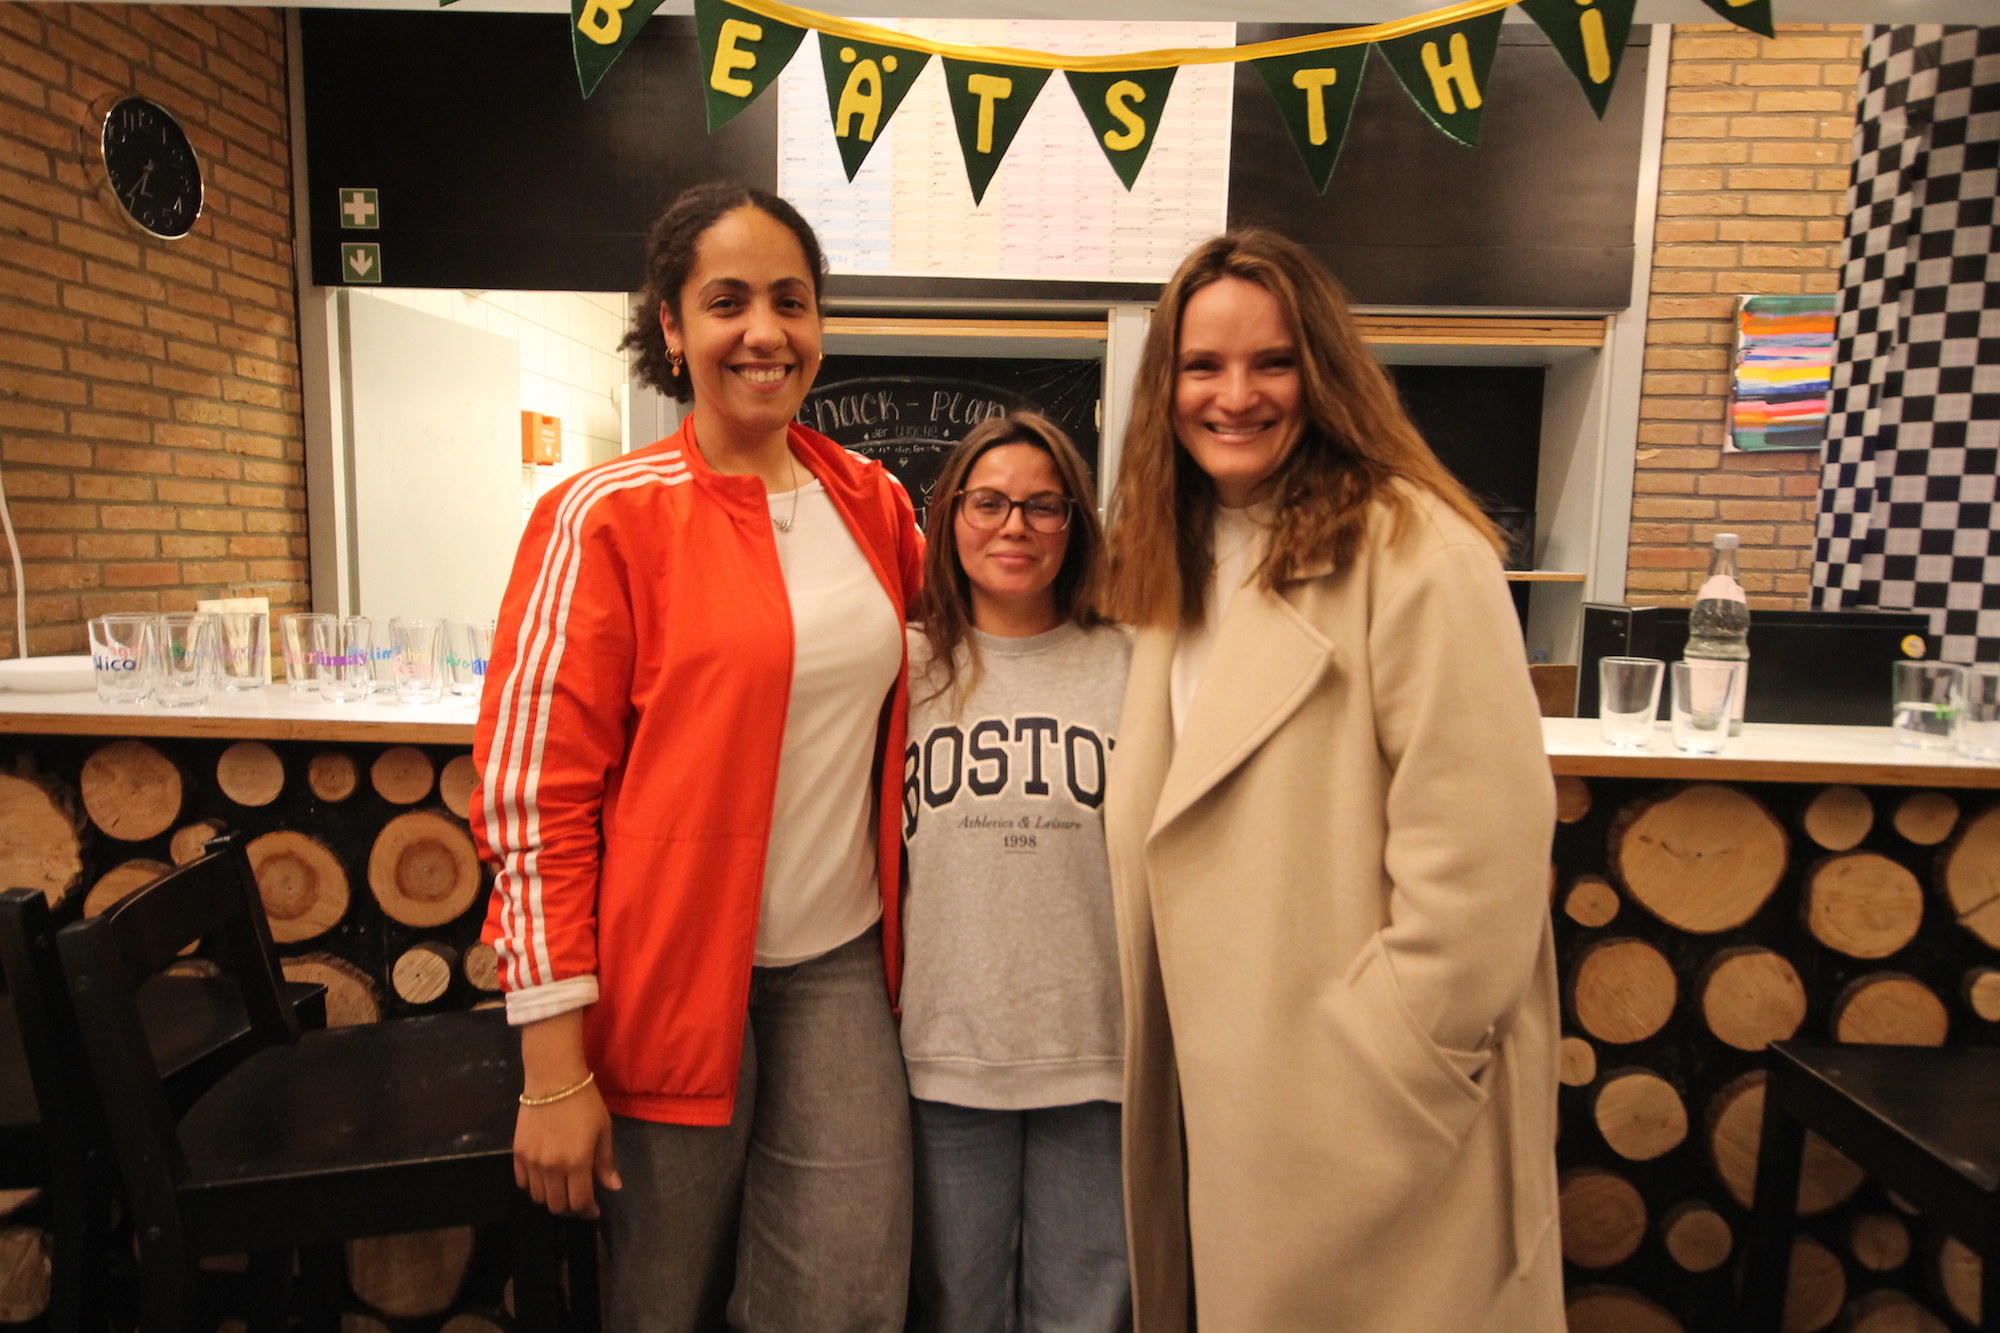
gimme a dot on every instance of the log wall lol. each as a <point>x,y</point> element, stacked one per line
<point>316,814</point>
<point>1825,914</point>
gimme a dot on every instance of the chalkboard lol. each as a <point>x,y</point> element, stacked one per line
<point>909,412</point>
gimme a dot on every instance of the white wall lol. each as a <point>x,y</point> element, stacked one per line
<point>570,365</point>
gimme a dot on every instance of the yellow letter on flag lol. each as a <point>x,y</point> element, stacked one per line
<point>729,57</point>
<point>988,88</point>
<point>861,97</point>
<point>601,20</point>
<point>1459,72</point>
<point>1115,99</point>
<point>1314,83</point>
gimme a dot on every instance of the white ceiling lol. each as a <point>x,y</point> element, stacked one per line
<point>1329,12</point>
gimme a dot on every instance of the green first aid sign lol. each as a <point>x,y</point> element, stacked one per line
<point>360,261</point>
<point>360,210</point>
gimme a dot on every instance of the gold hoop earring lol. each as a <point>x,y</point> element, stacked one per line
<point>674,360</point>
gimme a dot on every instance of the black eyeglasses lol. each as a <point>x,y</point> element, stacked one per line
<point>989,510</point>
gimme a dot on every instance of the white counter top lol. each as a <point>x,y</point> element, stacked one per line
<point>1767,752</point>
<point>272,713</point>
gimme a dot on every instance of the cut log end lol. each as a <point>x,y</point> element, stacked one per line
<point>1751,997</point>
<point>250,773</point>
<point>120,883</point>
<point>1982,993</point>
<point>1889,1311</point>
<point>1863,905</point>
<point>423,869</point>
<point>455,785</point>
<point>332,775</point>
<point>190,841</point>
<point>1926,817</point>
<point>1697,1237</point>
<point>1880,1242</point>
<point>1603,1217</point>
<point>1624,991</point>
<point>1815,1289</point>
<point>1890,1009</point>
<point>402,775</point>
<point>1968,871</point>
<point>1703,858</point>
<point>1735,1122</point>
<point>424,972</point>
<point>1572,799</point>
<point>412,1275</point>
<point>41,836</point>
<point>351,994</point>
<point>1640,1115</point>
<point>1839,818</point>
<point>482,967</point>
<point>1592,902</point>
<point>1578,1063</point>
<point>302,883</point>
<point>1616,1310</point>
<point>24,1274</point>
<point>1959,1272</point>
<point>132,791</point>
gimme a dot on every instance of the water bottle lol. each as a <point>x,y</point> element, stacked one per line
<point>1719,625</point>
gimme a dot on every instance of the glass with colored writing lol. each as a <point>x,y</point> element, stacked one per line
<point>183,658</point>
<point>119,648</point>
<point>243,649</point>
<point>342,649</point>
<point>468,647</point>
<point>297,631</point>
<point>1926,703</point>
<point>416,652</point>
<point>989,510</point>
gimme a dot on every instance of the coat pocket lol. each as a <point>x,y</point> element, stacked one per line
<point>1415,1067</point>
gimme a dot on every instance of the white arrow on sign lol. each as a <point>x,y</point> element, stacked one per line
<point>360,261</point>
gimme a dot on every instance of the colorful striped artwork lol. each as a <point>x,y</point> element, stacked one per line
<point>1784,368</point>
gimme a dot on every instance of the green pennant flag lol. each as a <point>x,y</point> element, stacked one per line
<point>1315,92</point>
<point>1124,112</point>
<point>1590,37</point>
<point>599,32</point>
<point>741,53</point>
<point>1752,14</point>
<point>988,104</point>
<point>1444,70</point>
<point>865,83</point>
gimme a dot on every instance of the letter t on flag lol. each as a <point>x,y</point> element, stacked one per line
<point>988,105</point>
<point>1315,93</point>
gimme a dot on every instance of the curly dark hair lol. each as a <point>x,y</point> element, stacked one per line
<point>671,248</point>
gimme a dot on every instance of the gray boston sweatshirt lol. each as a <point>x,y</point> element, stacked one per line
<point>1010,982</point>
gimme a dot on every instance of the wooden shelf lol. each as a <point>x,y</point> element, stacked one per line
<point>1542,576</point>
<point>1475,331</point>
<point>878,326</point>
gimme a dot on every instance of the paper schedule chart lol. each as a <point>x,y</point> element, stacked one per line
<point>1055,209</point>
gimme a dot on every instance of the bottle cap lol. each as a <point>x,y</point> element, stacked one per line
<point>1725,541</point>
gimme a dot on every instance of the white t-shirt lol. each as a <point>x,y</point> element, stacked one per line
<point>821,887</point>
<point>1240,537</point>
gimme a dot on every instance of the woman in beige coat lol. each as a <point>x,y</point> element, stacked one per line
<point>1329,827</point>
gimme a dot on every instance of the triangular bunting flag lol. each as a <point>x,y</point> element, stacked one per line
<point>741,53</point>
<point>1752,14</point>
<point>1123,111</point>
<point>988,104</point>
<point>1315,94</point>
<point>599,32</point>
<point>1590,37</point>
<point>1444,69</point>
<point>865,83</point>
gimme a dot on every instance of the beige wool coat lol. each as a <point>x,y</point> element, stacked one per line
<point>1334,881</point>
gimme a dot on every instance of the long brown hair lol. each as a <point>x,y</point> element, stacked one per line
<point>944,609</point>
<point>1356,443</point>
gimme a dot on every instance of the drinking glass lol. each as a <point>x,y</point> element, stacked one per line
<point>1704,690</point>
<point>342,647</point>
<point>381,660</point>
<point>417,652</point>
<point>1926,700</point>
<point>242,649</point>
<point>120,649</point>
<point>1628,699</point>
<point>183,658</point>
<point>468,647</point>
<point>1979,723</point>
<point>298,635</point>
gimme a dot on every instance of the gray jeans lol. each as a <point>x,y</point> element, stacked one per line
<point>794,1217</point>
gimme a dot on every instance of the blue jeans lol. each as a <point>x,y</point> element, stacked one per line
<point>1020,1220</point>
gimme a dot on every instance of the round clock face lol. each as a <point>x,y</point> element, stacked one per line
<point>152,168</point>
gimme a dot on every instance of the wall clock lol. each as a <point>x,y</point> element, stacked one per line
<point>151,167</point>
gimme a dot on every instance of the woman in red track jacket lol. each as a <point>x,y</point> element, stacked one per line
<point>684,687</point>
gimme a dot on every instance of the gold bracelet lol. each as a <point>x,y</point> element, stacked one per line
<point>548,1099</point>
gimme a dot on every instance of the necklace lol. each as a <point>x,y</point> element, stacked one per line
<point>785,524</point>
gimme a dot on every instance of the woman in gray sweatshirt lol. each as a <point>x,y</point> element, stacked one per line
<point>1012,1022</point>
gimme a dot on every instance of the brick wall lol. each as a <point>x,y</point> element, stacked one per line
<point>150,434</point>
<point>1752,184</point>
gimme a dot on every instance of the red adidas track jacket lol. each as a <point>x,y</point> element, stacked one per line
<point>628,740</point>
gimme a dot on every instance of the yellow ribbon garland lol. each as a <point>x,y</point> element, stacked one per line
<point>1122,64</point>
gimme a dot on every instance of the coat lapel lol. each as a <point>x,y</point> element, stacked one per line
<point>1267,658</point>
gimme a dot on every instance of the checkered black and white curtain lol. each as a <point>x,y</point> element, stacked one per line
<point>1907,514</point>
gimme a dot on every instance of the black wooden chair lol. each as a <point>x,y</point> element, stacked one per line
<point>53,1135</point>
<point>312,1138</point>
<point>1923,1122</point>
